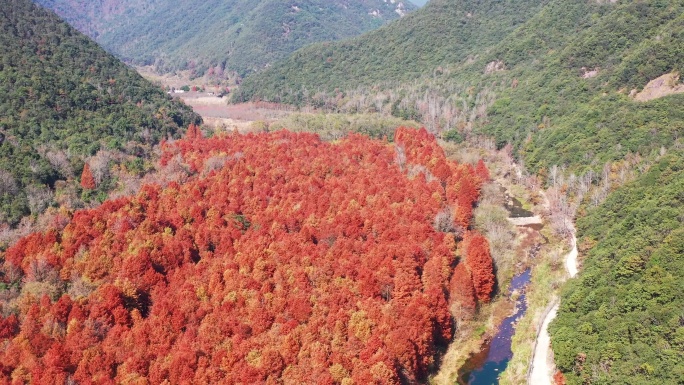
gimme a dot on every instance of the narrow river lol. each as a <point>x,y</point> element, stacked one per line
<point>485,367</point>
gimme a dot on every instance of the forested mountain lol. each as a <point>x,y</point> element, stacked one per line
<point>621,321</point>
<point>441,34</point>
<point>63,98</point>
<point>588,93</point>
<point>280,258</point>
<point>561,80</point>
<point>217,35</point>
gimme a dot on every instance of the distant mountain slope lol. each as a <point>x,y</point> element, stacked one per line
<point>234,35</point>
<point>443,33</point>
<point>63,98</point>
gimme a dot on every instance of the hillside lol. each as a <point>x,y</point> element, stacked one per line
<point>551,77</point>
<point>574,103</point>
<point>588,95</point>
<point>621,321</point>
<point>283,258</point>
<point>220,36</point>
<point>63,99</point>
<point>441,34</point>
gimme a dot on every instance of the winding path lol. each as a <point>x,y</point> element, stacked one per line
<point>542,365</point>
<point>571,258</point>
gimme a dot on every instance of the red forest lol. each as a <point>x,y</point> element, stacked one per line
<point>284,259</point>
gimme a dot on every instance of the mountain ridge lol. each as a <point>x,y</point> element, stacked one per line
<point>238,35</point>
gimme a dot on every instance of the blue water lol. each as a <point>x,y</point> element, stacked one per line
<point>485,367</point>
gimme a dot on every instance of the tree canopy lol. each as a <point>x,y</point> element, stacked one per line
<point>282,258</point>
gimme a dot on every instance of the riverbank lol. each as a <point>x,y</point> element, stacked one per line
<point>510,256</point>
<point>512,214</point>
<point>548,273</point>
<point>486,366</point>
<point>543,367</point>
<point>471,336</point>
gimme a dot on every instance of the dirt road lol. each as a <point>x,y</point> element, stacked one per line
<point>543,367</point>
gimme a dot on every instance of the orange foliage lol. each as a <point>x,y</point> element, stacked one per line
<point>558,378</point>
<point>87,180</point>
<point>282,258</point>
<point>482,171</point>
<point>479,261</point>
<point>193,132</point>
<point>462,289</point>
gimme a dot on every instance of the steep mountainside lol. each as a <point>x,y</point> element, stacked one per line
<point>588,93</point>
<point>235,35</point>
<point>63,98</point>
<point>621,321</point>
<point>571,104</point>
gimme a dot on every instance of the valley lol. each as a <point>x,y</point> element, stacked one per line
<point>222,39</point>
<point>218,114</point>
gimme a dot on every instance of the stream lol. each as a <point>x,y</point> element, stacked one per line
<point>514,206</point>
<point>484,367</point>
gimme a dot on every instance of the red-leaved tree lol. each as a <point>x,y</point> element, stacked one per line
<point>87,179</point>
<point>479,262</point>
<point>295,261</point>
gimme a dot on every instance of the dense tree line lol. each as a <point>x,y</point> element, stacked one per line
<point>282,258</point>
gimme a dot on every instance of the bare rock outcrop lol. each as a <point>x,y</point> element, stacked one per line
<point>659,87</point>
<point>494,66</point>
